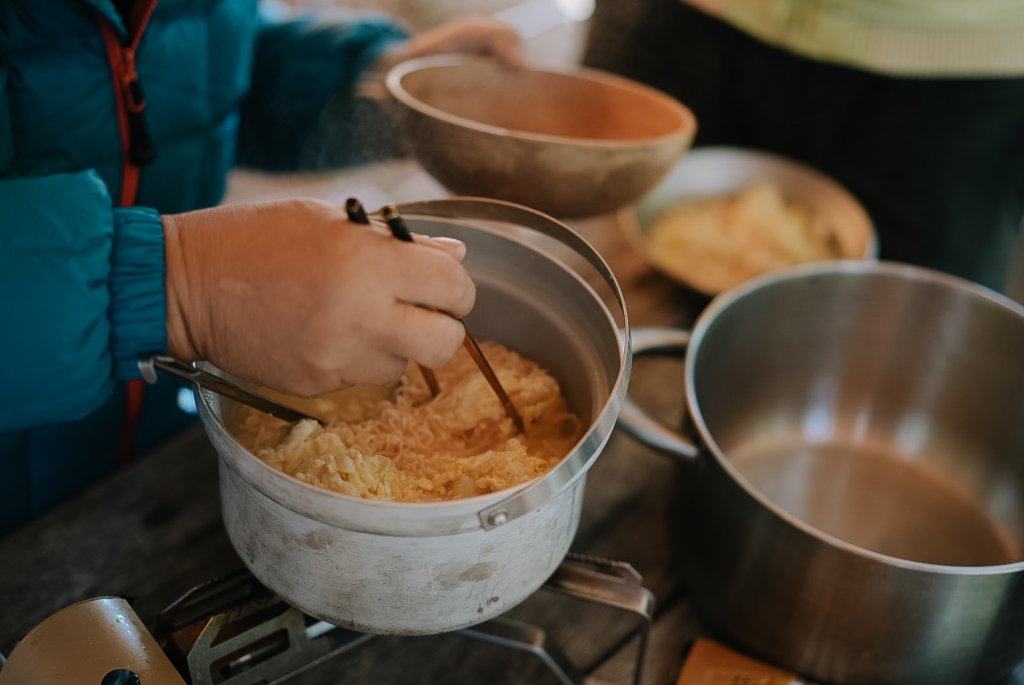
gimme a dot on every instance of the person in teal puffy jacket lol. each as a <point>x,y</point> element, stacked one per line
<point>119,121</point>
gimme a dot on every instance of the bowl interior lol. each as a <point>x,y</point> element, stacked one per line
<point>709,172</point>
<point>581,105</point>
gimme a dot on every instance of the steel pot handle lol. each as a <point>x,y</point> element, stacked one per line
<point>531,497</point>
<point>633,419</point>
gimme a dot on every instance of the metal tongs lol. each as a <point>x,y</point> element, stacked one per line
<point>398,228</point>
<point>221,386</point>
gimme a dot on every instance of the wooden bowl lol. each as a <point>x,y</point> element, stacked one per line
<point>569,143</point>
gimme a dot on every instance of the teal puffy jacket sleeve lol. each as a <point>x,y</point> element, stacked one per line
<point>83,295</point>
<point>303,110</point>
<point>83,280</point>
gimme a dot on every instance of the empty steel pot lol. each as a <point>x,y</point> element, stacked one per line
<point>857,502</point>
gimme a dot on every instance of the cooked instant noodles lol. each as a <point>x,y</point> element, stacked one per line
<point>397,443</point>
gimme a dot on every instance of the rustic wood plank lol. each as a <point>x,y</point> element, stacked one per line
<point>150,532</point>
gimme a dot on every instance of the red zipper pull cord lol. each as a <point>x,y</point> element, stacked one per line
<point>140,148</point>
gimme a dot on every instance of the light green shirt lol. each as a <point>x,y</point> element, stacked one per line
<point>904,37</point>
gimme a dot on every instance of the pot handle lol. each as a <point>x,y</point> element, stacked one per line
<point>633,419</point>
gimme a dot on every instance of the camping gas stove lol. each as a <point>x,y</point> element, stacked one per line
<point>233,631</point>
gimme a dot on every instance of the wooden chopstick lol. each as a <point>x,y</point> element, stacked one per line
<point>469,342</point>
<point>398,229</point>
<point>357,215</point>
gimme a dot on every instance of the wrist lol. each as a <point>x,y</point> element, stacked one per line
<point>182,326</point>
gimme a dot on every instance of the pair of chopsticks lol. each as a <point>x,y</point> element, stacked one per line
<point>396,224</point>
<point>357,215</point>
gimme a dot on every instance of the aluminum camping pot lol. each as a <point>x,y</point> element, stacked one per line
<point>856,509</point>
<point>415,568</point>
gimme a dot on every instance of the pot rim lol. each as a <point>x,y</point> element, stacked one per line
<point>509,503</point>
<point>393,81</point>
<point>722,302</point>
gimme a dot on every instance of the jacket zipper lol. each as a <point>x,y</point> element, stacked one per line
<point>136,144</point>
<point>136,151</point>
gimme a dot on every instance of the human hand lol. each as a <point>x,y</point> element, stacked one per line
<point>292,295</point>
<point>470,35</point>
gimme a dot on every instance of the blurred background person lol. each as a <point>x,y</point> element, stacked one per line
<point>916,106</point>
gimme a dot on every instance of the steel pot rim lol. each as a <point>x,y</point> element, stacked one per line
<point>711,446</point>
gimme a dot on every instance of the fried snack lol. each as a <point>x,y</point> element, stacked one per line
<point>718,242</point>
<point>396,443</point>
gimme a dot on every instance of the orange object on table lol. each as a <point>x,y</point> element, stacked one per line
<point>711,663</point>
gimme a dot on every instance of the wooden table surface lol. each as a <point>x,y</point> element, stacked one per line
<point>154,530</point>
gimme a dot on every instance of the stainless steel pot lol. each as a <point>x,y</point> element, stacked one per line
<point>856,500</point>
<point>412,568</point>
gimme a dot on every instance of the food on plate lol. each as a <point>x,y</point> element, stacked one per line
<point>396,443</point>
<point>717,242</point>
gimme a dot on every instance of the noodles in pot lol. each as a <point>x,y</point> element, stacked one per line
<point>399,444</point>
